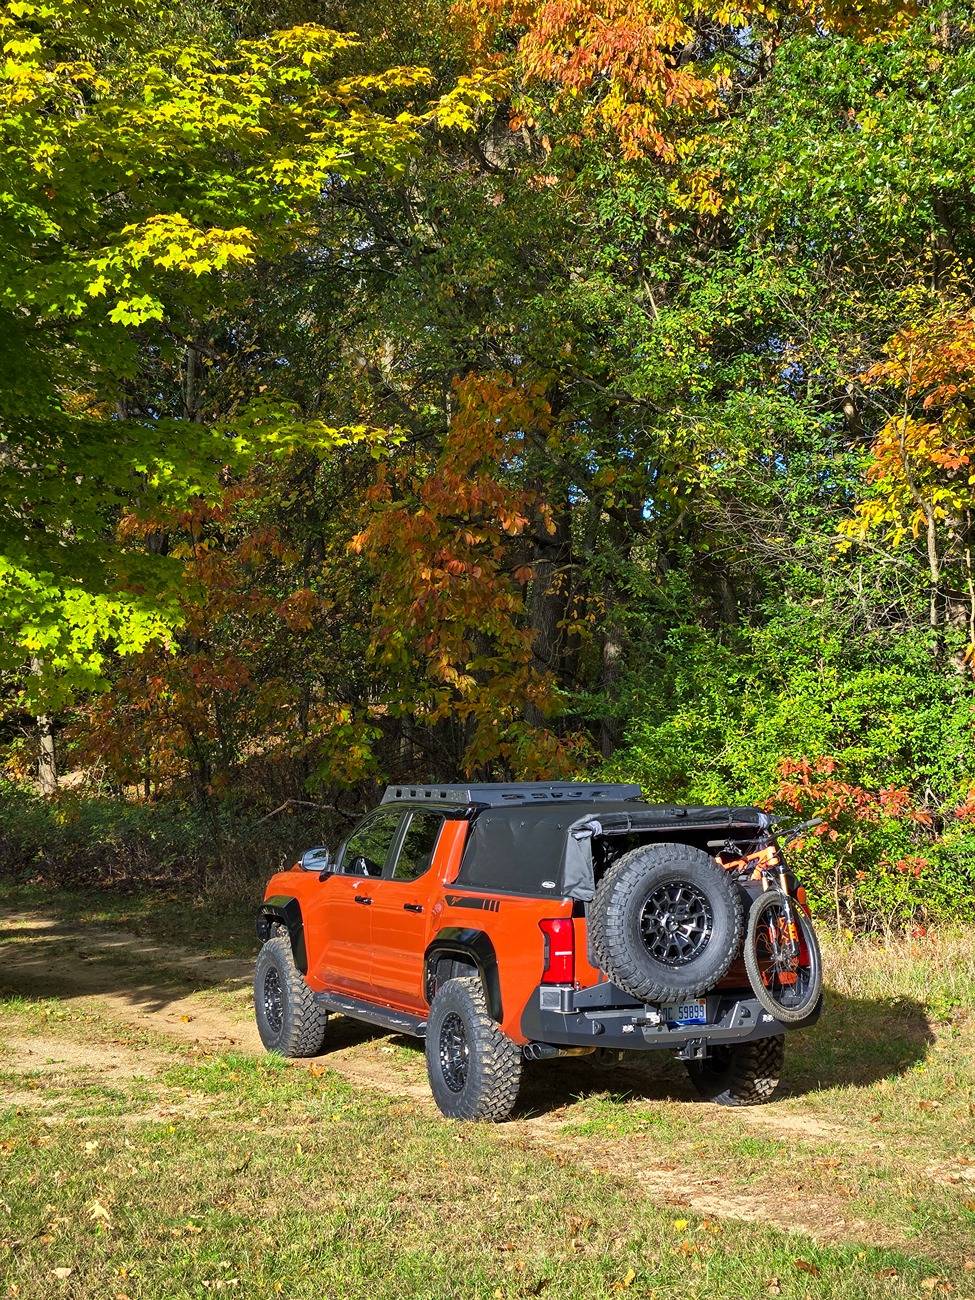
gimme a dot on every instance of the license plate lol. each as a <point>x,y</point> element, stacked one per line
<point>693,1012</point>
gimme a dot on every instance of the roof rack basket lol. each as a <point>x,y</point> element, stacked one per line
<point>497,793</point>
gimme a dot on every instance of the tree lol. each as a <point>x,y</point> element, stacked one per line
<point>920,470</point>
<point>148,156</point>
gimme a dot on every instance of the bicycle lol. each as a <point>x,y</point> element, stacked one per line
<point>781,952</point>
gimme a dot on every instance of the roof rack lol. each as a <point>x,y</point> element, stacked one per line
<point>498,793</point>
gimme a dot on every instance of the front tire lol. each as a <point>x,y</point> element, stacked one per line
<point>740,1074</point>
<point>789,989</point>
<point>474,1069</point>
<point>289,1020</point>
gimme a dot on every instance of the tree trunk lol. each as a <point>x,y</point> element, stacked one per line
<point>610,727</point>
<point>191,364</point>
<point>47,770</point>
<point>201,774</point>
<point>547,598</point>
<point>934,570</point>
<point>622,531</point>
<point>47,767</point>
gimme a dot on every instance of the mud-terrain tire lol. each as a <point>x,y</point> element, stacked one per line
<point>474,1069</point>
<point>666,922</point>
<point>740,1074</point>
<point>289,1020</point>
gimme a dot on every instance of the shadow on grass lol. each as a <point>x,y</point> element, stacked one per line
<point>856,1043</point>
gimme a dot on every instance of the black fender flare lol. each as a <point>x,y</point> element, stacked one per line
<point>474,946</point>
<point>286,911</point>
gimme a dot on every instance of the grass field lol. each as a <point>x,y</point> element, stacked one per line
<point>148,1150</point>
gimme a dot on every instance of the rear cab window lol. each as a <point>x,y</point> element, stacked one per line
<point>517,851</point>
<point>418,845</point>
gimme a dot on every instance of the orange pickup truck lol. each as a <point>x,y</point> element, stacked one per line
<point>510,923</point>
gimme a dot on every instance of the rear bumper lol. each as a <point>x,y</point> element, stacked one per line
<point>603,1016</point>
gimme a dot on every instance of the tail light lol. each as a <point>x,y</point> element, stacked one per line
<point>560,950</point>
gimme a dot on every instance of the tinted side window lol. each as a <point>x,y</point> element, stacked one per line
<point>419,842</point>
<point>367,848</point>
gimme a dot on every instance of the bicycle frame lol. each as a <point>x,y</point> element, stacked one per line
<point>767,866</point>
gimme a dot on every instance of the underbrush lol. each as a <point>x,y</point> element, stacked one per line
<point>224,853</point>
<point>82,841</point>
<point>804,719</point>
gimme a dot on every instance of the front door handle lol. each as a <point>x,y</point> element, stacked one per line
<point>362,898</point>
<point>412,907</point>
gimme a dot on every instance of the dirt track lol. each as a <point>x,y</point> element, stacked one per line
<point>205,1002</point>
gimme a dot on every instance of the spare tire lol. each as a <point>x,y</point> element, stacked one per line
<point>666,922</point>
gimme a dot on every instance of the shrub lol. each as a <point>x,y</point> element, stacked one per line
<point>75,841</point>
<point>805,718</point>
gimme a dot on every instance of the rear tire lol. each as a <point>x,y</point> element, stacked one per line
<point>666,922</point>
<point>289,1020</point>
<point>740,1074</point>
<point>474,1069</point>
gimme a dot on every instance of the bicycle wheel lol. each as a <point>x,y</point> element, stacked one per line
<point>788,983</point>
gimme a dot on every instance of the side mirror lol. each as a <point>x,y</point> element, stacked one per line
<point>319,859</point>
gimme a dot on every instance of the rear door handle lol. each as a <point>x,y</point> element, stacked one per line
<point>412,907</point>
<point>361,898</point>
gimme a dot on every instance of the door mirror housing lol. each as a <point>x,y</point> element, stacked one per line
<point>317,859</point>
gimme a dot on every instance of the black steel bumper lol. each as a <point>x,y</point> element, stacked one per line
<point>604,1016</point>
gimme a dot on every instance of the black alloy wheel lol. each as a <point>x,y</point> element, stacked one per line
<point>666,922</point>
<point>740,1074</point>
<point>290,1019</point>
<point>454,1052</point>
<point>473,1067</point>
<point>676,923</point>
<point>273,999</point>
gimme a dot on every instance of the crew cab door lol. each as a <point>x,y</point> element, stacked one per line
<point>347,903</point>
<point>401,917</point>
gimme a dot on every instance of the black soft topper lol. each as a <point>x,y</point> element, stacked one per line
<point>546,850</point>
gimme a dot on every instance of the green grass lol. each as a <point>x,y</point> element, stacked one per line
<point>613,1114</point>
<point>233,1174</point>
<point>285,1185</point>
<point>224,927</point>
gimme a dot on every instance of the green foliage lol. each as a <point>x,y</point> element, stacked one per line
<point>81,841</point>
<point>145,163</point>
<point>252,272</point>
<point>723,718</point>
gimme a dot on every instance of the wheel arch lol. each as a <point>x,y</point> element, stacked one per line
<point>470,948</point>
<point>283,910</point>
